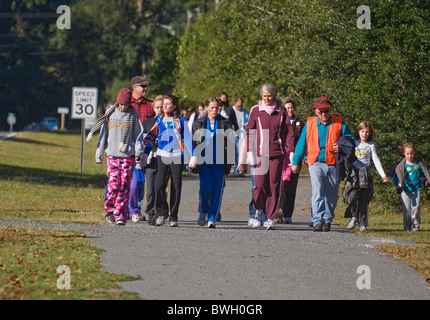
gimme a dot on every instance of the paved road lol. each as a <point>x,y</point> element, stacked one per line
<point>6,135</point>
<point>235,262</point>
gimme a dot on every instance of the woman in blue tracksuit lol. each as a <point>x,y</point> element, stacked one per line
<point>214,153</point>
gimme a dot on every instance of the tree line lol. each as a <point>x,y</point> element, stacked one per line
<point>307,49</point>
<point>304,48</point>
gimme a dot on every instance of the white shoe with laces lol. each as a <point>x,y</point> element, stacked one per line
<point>351,224</point>
<point>257,219</point>
<point>211,224</point>
<point>269,224</point>
<point>160,221</point>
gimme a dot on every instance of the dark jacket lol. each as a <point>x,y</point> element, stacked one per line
<point>231,116</point>
<point>298,125</point>
<point>345,157</point>
<point>229,140</point>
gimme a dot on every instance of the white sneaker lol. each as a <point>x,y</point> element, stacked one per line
<point>135,218</point>
<point>269,224</point>
<point>256,223</point>
<point>257,219</point>
<point>211,224</point>
<point>351,224</point>
<point>362,228</point>
<point>160,221</point>
<point>173,223</point>
<point>120,222</point>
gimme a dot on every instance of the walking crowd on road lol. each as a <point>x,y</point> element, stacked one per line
<point>151,142</point>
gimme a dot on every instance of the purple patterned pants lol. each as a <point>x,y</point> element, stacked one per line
<point>120,172</point>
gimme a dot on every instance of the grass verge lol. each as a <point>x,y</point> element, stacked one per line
<point>29,259</point>
<point>41,179</point>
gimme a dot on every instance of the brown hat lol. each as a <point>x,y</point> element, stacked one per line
<point>124,95</point>
<point>139,80</point>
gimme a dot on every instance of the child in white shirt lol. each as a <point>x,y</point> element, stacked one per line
<point>359,184</point>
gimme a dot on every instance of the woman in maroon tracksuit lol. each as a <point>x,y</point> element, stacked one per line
<point>269,138</point>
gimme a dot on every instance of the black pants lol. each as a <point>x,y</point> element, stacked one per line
<point>359,205</point>
<point>288,197</point>
<point>165,167</point>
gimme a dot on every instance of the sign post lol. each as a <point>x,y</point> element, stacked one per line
<point>84,106</point>
<point>63,112</point>
<point>11,119</point>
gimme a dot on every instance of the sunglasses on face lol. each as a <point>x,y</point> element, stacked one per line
<point>324,111</point>
<point>141,85</point>
<point>126,103</point>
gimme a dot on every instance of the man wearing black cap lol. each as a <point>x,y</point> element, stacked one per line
<point>141,104</point>
<point>318,141</point>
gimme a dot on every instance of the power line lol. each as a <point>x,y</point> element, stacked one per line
<point>28,15</point>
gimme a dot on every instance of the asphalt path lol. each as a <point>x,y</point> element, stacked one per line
<point>235,262</point>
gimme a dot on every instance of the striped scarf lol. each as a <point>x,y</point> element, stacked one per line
<point>125,136</point>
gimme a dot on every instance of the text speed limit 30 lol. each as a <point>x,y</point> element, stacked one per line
<point>84,103</point>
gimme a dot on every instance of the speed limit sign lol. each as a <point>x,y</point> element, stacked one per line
<point>84,103</point>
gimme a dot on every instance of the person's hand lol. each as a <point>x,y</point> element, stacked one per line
<point>241,168</point>
<point>335,147</point>
<point>250,160</point>
<point>295,169</point>
<point>193,162</point>
<point>384,179</point>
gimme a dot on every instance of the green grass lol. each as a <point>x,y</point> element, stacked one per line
<point>29,260</point>
<point>40,179</point>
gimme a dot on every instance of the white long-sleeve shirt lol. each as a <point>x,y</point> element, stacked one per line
<point>366,152</point>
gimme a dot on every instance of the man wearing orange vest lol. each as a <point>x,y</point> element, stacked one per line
<point>318,142</point>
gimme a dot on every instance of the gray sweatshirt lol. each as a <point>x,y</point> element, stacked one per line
<point>110,137</point>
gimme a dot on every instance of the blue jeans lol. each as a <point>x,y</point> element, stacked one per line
<point>325,187</point>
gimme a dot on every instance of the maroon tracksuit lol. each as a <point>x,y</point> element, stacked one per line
<point>267,137</point>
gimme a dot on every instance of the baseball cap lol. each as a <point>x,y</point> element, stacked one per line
<point>139,80</point>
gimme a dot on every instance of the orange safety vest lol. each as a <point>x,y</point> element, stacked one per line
<point>333,134</point>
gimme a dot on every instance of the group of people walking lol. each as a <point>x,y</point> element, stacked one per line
<point>150,140</point>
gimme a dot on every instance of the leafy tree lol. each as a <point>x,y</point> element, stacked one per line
<point>315,48</point>
<point>27,86</point>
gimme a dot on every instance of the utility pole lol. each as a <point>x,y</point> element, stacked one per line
<point>216,4</point>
